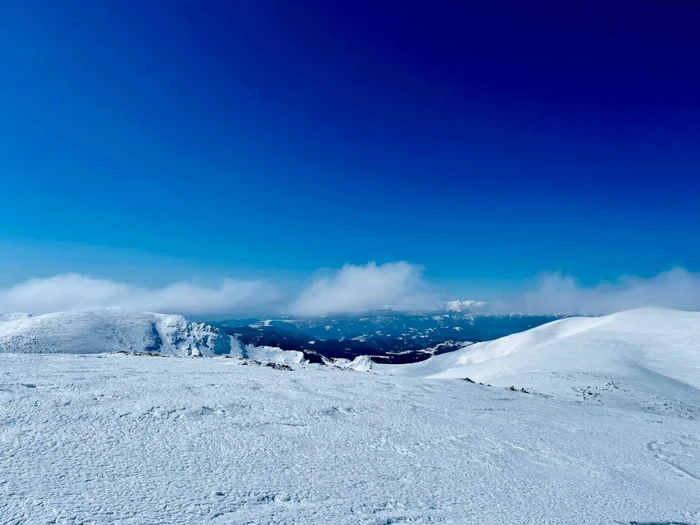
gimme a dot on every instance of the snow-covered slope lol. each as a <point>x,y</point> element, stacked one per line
<point>110,330</point>
<point>121,439</point>
<point>648,359</point>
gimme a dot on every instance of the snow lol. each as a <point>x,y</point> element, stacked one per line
<point>361,363</point>
<point>110,330</point>
<point>272,353</point>
<point>13,316</point>
<point>647,359</point>
<point>105,439</point>
<point>463,306</point>
<point>134,439</point>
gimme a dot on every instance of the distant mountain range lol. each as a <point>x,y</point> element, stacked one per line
<point>385,335</point>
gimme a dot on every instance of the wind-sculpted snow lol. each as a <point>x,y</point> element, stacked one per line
<point>122,439</point>
<point>647,359</point>
<point>269,353</point>
<point>111,330</point>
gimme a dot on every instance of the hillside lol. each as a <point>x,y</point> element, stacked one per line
<point>648,359</point>
<point>110,330</point>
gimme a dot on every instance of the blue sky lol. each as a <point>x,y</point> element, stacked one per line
<point>148,142</point>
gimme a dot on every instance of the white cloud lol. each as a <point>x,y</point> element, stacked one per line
<point>553,292</point>
<point>73,291</point>
<point>361,288</point>
<point>348,289</point>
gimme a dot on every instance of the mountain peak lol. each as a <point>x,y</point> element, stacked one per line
<point>463,306</point>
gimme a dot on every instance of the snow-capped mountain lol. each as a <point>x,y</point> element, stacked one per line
<point>111,330</point>
<point>647,358</point>
<point>463,306</point>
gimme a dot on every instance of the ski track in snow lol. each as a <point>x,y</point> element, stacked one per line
<point>119,439</point>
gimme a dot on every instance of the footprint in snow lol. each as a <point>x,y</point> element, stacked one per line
<point>682,455</point>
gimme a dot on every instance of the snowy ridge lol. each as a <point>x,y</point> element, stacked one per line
<point>111,330</point>
<point>648,359</point>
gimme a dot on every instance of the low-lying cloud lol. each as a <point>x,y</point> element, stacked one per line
<point>360,288</point>
<point>75,292</point>
<point>350,289</point>
<point>556,293</point>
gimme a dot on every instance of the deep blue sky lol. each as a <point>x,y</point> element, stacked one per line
<point>485,140</point>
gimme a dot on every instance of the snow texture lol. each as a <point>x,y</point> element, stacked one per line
<point>127,439</point>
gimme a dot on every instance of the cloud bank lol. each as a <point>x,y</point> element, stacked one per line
<point>556,293</point>
<point>75,292</point>
<point>399,285</point>
<point>360,288</point>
